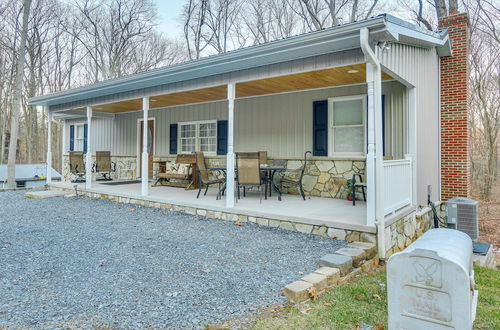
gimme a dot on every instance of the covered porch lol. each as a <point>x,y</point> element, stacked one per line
<point>326,93</point>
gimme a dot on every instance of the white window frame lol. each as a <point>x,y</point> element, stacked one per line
<point>197,135</point>
<point>76,138</point>
<point>331,127</point>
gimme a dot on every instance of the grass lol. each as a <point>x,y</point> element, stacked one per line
<point>364,301</point>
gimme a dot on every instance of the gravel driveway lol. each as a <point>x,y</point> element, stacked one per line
<point>75,262</point>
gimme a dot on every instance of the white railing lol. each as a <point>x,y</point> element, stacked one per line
<point>397,184</point>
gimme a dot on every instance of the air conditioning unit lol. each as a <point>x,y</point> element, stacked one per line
<point>463,214</point>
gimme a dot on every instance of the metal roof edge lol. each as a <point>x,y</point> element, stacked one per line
<point>235,55</point>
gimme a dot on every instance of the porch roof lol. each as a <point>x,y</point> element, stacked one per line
<point>344,37</point>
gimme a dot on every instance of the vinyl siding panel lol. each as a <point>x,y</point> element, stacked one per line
<point>420,67</point>
<point>280,124</point>
<point>319,62</point>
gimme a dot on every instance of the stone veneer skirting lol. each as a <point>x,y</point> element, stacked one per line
<point>405,230</point>
<point>125,168</point>
<point>399,233</point>
<point>323,178</point>
<point>320,230</point>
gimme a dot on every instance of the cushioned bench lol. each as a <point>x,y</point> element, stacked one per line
<point>182,172</point>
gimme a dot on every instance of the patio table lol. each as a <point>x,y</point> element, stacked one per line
<point>272,170</point>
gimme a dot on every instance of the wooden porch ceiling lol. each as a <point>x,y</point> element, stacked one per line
<point>288,83</point>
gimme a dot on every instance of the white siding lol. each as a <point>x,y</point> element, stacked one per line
<point>420,67</point>
<point>319,62</point>
<point>101,134</point>
<point>280,124</point>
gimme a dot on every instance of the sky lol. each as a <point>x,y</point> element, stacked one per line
<point>168,13</point>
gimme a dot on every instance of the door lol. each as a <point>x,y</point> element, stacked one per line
<point>151,146</point>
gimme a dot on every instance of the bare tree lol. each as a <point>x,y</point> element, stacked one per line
<point>197,38</point>
<point>16,109</point>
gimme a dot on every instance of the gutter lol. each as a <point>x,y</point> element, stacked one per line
<point>374,165</point>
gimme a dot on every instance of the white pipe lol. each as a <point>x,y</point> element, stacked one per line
<point>231,91</point>
<point>88,158</point>
<point>145,154</point>
<point>48,174</point>
<point>375,80</point>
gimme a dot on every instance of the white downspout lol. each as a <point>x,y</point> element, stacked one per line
<point>48,174</point>
<point>374,160</point>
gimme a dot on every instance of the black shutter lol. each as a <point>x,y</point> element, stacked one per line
<point>221,137</point>
<point>71,138</point>
<point>85,135</point>
<point>320,128</point>
<point>173,139</point>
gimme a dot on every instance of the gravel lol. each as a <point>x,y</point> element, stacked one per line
<point>76,262</point>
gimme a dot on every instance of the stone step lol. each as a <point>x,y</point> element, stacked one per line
<point>357,255</point>
<point>341,262</point>
<point>45,194</point>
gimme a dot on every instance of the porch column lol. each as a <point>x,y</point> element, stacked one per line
<point>88,155</point>
<point>412,140</point>
<point>145,155</point>
<point>48,176</point>
<point>379,162</point>
<point>231,88</point>
<point>370,156</point>
<point>63,147</point>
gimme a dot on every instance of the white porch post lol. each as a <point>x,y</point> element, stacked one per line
<point>379,162</point>
<point>63,147</point>
<point>370,157</point>
<point>231,88</point>
<point>412,140</point>
<point>88,155</point>
<point>48,176</point>
<point>145,155</point>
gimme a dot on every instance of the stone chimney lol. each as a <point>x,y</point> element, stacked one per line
<point>454,95</point>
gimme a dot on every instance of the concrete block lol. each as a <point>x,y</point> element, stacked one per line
<point>370,249</point>
<point>357,255</point>
<point>297,291</point>
<point>319,281</point>
<point>332,274</point>
<point>45,194</point>
<point>342,262</point>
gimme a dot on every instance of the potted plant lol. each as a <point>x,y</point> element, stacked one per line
<point>349,188</point>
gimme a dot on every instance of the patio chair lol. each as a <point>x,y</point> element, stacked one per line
<point>249,173</point>
<point>204,178</point>
<point>295,181</point>
<point>77,166</point>
<point>103,165</point>
<point>360,183</point>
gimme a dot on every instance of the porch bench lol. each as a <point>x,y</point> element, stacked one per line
<point>183,172</point>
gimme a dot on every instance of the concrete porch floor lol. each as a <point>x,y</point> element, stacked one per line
<point>330,212</point>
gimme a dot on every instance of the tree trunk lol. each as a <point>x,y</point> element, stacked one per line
<point>16,109</point>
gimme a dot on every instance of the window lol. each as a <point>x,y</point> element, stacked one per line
<point>79,137</point>
<point>198,136</point>
<point>348,125</point>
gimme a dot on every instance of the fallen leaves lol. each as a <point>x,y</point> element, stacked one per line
<point>357,297</point>
<point>378,326</point>
<point>206,271</point>
<point>132,209</point>
<point>313,293</point>
<point>327,303</point>
<point>239,223</point>
<point>377,297</point>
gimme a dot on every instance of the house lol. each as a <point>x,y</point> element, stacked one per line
<point>380,97</point>
<point>28,175</point>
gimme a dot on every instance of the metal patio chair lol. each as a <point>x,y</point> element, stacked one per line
<point>103,165</point>
<point>204,177</point>
<point>295,180</point>
<point>77,166</point>
<point>249,173</point>
<point>358,184</point>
